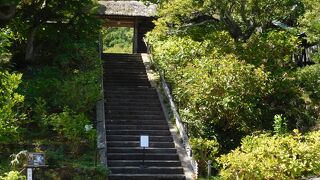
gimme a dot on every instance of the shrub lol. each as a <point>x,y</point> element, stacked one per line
<point>280,124</point>
<point>76,128</point>
<point>273,157</point>
<point>12,175</point>
<point>204,150</point>
<point>10,102</point>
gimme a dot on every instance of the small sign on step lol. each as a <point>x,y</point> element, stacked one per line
<point>144,141</point>
<point>29,173</point>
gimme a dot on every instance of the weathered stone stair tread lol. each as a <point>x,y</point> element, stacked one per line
<point>135,122</point>
<point>146,177</point>
<point>132,89</point>
<point>140,156</point>
<point>134,112</point>
<point>148,104</point>
<point>143,127</point>
<point>148,163</point>
<point>114,91</point>
<point>130,116</point>
<point>137,143</point>
<point>132,108</point>
<point>148,170</point>
<point>139,132</point>
<point>139,150</point>
<point>132,99</point>
<point>137,138</point>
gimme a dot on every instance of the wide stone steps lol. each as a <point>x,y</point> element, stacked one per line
<point>139,150</point>
<point>130,90</point>
<point>132,109</point>
<point>135,122</point>
<point>134,112</point>
<point>124,71</point>
<point>130,116</point>
<point>137,127</point>
<point>147,177</point>
<point>133,99</point>
<point>139,132</point>
<point>140,104</point>
<point>147,163</point>
<point>140,156</point>
<point>137,144</point>
<point>112,91</point>
<point>149,170</point>
<point>137,138</point>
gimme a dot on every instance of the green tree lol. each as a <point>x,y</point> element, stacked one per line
<point>231,70</point>
<point>240,18</point>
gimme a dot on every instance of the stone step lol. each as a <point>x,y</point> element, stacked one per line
<point>132,99</point>
<point>129,104</point>
<point>146,177</point>
<point>131,71</point>
<point>133,112</point>
<point>147,163</point>
<point>140,156</point>
<point>136,127</point>
<point>132,108</point>
<point>139,150</point>
<point>112,86</point>
<point>121,77</point>
<point>136,122</point>
<point>137,138</point>
<point>129,58</point>
<point>137,144</point>
<point>126,96</point>
<point>130,89</point>
<point>120,56</point>
<point>148,170</point>
<point>124,65</point>
<point>142,117</point>
<point>139,132</point>
<point>126,84</point>
<point>119,92</point>
<point>137,82</point>
<point>114,79</point>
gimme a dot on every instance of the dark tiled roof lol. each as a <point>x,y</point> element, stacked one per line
<point>127,8</point>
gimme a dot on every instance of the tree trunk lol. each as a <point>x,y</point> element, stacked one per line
<point>29,56</point>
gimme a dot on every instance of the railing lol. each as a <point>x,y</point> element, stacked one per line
<point>178,121</point>
<point>100,118</point>
<point>303,58</point>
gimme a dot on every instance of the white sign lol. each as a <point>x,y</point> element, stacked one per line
<point>36,159</point>
<point>29,173</point>
<point>144,141</point>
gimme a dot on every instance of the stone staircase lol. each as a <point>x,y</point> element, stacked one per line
<point>133,109</point>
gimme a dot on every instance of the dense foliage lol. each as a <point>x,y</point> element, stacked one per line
<point>273,157</point>
<point>50,76</point>
<point>10,102</point>
<point>231,68</point>
<point>117,40</point>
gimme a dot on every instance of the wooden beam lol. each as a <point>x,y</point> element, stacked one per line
<point>135,36</point>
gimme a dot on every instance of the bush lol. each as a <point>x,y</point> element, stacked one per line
<point>273,157</point>
<point>12,175</point>
<point>10,102</point>
<point>204,150</point>
<point>76,128</point>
